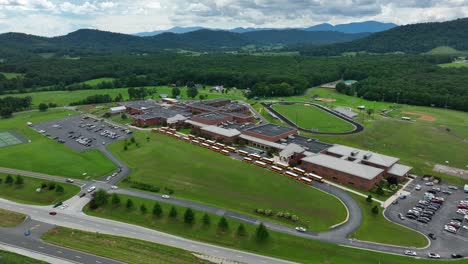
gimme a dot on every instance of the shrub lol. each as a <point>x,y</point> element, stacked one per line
<point>369,198</point>
<point>129,204</point>
<point>51,186</point>
<point>279,214</point>
<point>375,209</point>
<point>143,209</point>
<point>19,180</point>
<point>59,189</point>
<point>223,224</point>
<point>157,210</point>
<point>261,233</point>
<point>268,212</point>
<point>260,211</point>
<point>206,220</point>
<point>189,216</point>
<point>115,200</point>
<point>295,218</point>
<point>173,213</point>
<point>241,231</point>
<point>9,179</point>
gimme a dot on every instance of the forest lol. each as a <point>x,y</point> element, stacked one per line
<point>412,79</point>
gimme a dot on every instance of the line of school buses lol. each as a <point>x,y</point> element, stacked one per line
<point>255,159</point>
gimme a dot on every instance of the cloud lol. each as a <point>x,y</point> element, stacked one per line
<point>130,16</point>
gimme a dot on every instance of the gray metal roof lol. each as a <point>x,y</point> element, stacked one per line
<point>374,158</point>
<point>221,131</point>
<point>399,170</point>
<point>356,169</point>
<point>270,130</point>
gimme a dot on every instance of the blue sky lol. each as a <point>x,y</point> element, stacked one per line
<point>52,18</point>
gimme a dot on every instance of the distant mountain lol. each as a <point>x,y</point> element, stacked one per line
<point>90,40</point>
<point>352,28</point>
<point>356,27</point>
<point>415,38</point>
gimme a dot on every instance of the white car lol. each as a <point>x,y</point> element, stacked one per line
<point>450,229</point>
<point>462,212</point>
<point>466,217</point>
<point>465,227</point>
<point>113,187</point>
<point>433,255</point>
<point>300,229</point>
<point>91,189</point>
<point>410,253</point>
<point>165,196</point>
<point>452,187</point>
<point>429,184</point>
<point>418,187</point>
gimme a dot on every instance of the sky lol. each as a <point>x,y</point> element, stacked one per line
<point>53,18</point>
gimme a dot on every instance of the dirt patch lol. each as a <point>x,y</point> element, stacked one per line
<point>422,116</point>
<point>89,107</point>
<point>327,100</point>
<point>451,171</point>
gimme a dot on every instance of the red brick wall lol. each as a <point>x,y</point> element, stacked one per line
<point>341,177</point>
<point>149,122</point>
<point>211,121</point>
<point>272,139</point>
<point>243,119</point>
<point>217,137</point>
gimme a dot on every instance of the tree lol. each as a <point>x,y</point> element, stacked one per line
<point>143,209</point>
<point>173,213</point>
<point>6,112</point>
<point>369,198</point>
<point>9,179</point>
<point>123,116</point>
<point>375,209</point>
<point>261,233</point>
<point>201,97</point>
<point>241,231</point>
<point>206,220</point>
<point>129,204</point>
<point>100,198</point>
<point>115,200</point>
<point>19,180</point>
<point>1,180</point>
<point>59,189</point>
<point>43,107</point>
<point>157,210</point>
<point>192,92</point>
<point>189,216</point>
<point>370,112</point>
<point>223,224</point>
<point>380,190</point>
<point>175,92</point>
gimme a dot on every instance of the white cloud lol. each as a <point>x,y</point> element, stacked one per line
<point>84,8</point>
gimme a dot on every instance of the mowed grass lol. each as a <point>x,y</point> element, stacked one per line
<point>454,65</point>
<point>119,248</point>
<point>63,98</point>
<point>10,219</point>
<point>13,258</point>
<point>12,75</point>
<point>278,245</point>
<point>376,228</point>
<point>208,177</point>
<point>45,155</point>
<point>310,117</point>
<point>95,82</point>
<point>26,192</point>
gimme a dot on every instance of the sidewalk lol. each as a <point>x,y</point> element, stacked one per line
<point>396,195</point>
<point>353,191</point>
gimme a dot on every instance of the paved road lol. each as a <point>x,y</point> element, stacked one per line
<point>39,175</point>
<point>33,244</point>
<point>72,217</point>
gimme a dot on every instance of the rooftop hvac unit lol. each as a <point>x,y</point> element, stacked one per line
<point>354,153</point>
<point>367,156</point>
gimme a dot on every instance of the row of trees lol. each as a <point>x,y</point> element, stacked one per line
<point>19,181</point>
<point>101,199</point>
<point>11,104</point>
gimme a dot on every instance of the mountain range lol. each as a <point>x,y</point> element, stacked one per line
<point>350,28</point>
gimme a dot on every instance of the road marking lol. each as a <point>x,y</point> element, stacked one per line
<point>41,247</point>
<point>77,257</point>
<point>58,251</point>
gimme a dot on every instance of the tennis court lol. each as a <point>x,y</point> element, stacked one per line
<point>9,138</point>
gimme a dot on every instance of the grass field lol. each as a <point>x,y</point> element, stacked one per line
<point>62,98</point>
<point>454,65</point>
<point>45,155</point>
<point>310,117</point>
<point>279,245</point>
<point>202,175</point>
<point>10,219</point>
<point>95,82</point>
<point>12,258</point>
<point>376,228</point>
<point>445,50</point>
<point>119,248</point>
<point>26,193</point>
<point>11,75</point>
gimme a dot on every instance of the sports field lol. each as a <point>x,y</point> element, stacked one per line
<point>202,175</point>
<point>10,138</point>
<point>310,117</point>
<point>45,155</point>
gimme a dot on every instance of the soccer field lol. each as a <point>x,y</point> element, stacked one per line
<point>8,138</point>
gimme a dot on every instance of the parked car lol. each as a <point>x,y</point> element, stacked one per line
<point>410,253</point>
<point>447,192</point>
<point>400,215</point>
<point>418,187</point>
<point>69,180</point>
<point>58,204</point>
<point>433,255</point>
<point>300,229</point>
<point>165,196</point>
<point>91,189</point>
<point>450,229</point>
<point>82,195</point>
<point>456,256</point>
<point>429,184</point>
<point>113,187</point>
<point>432,236</point>
<point>53,213</point>
<point>452,187</point>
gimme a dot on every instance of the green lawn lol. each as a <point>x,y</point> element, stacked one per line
<point>278,245</point>
<point>205,176</point>
<point>12,258</point>
<point>376,228</point>
<point>11,75</point>
<point>454,65</point>
<point>95,82</point>
<point>26,192</point>
<point>10,219</point>
<point>45,155</point>
<point>310,117</point>
<point>119,248</point>
<point>63,98</point>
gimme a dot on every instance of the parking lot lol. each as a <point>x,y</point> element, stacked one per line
<point>81,133</point>
<point>448,227</point>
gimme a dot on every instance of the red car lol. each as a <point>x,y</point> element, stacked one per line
<point>52,213</point>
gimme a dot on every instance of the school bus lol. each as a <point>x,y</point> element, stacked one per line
<point>196,142</point>
<point>299,171</point>
<point>212,142</point>
<point>276,169</point>
<point>220,145</point>
<point>225,152</point>
<point>306,180</point>
<point>255,156</point>
<point>191,136</point>
<point>247,159</point>
<point>267,160</point>
<point>230,149</point>
<point>215,148</point>
<point>205,145</point>
<point>243,153</point>
<point>186,139</point>
<point>315,177</point>
<point>282,165</point>
<point>260,164</point>
<point>201,139</point>
<point>291,175</point>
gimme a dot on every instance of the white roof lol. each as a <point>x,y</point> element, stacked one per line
<point>290,150</point>
<point>176,118</point>
<point>262,142</point>
<point>356,169</point>
<point>195,123</point>
<point>375,158</point>
<point>221,131</point>
<point>345,111</point>
<point>399,170</point>
<point>117,109</point>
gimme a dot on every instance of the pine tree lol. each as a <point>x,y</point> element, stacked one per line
<point>129,204</point>
<point>157,210</point>
<point>143,209</point>
<point>223,224</point>
<point>206,220</point>
<point>262,233</point>
<point>241,231</point>
<point>173,213</point>
<point>115,200</point>
<point>189,216</point>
